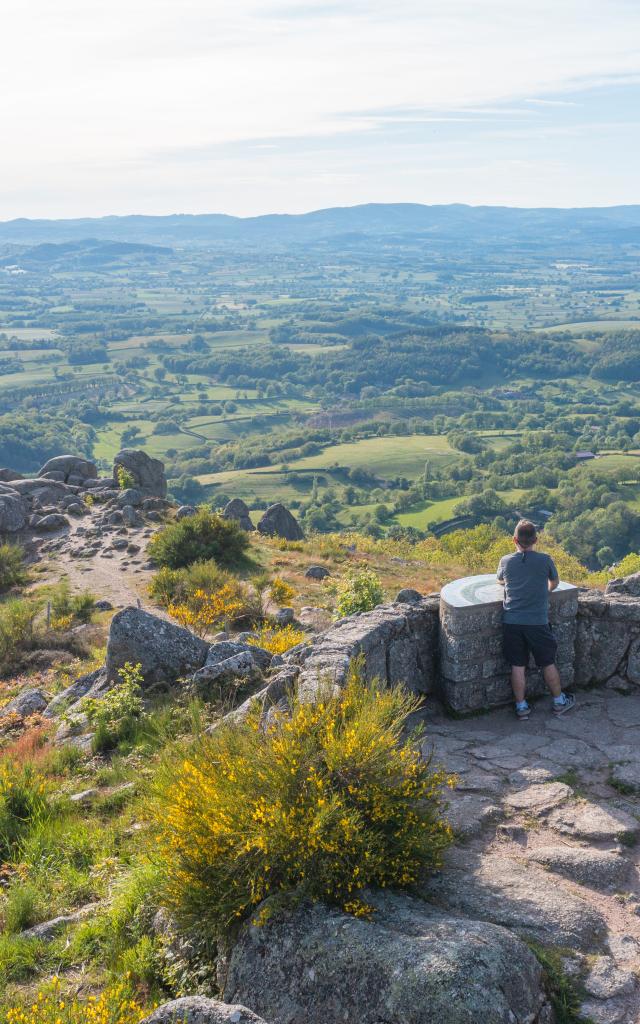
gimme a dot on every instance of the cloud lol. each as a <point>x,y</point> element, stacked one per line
<point>94,94</point>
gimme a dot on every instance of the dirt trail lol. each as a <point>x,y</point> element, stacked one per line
<point>119,576</point>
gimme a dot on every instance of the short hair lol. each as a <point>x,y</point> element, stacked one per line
<point>526,533</point>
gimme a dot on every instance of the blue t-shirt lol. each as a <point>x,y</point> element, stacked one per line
<point>526,576</point>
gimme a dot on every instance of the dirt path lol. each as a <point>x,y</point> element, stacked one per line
<point>91,562</point>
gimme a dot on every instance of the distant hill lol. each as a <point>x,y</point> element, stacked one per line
<point>87,252</point>
<point>479,224</point>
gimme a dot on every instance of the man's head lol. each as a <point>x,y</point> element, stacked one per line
<point>525,534</point>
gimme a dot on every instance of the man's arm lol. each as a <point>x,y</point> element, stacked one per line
<point>554,577</point>
<point>500,574</point>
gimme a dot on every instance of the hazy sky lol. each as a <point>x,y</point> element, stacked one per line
<point>254,106</point>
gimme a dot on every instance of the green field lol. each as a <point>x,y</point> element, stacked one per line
<point>602,326</point>
<point>386,456</point>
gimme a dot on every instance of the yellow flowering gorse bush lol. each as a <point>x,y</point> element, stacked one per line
<point>281,592</point>
<point>203,611</point>
<point>278,639</point>
<point>113,1006</point>
<point>321,804</point>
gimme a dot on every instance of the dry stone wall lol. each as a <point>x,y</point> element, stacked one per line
<point>395,642</point>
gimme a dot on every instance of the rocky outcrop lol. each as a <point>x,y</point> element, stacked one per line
<point>47,930</point>
<point>629,586</point>
<point>91,684</point>
<point>164,651</point>
<point>397,644</point>
<point>199,1010</point>
<point>237,510</point>
<point>410,964</point>
<point>14,512</point>
<point>70,466</point>
<point>28,702</point>
<point>278,521</point>
<point>148,474</point>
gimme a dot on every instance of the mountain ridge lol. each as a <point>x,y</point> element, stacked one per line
<point>446,222</point>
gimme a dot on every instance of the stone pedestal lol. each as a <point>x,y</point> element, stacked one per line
<point>473,673</point>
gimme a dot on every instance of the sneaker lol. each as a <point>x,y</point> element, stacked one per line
<point>569,702</point>
<point>523,713</point>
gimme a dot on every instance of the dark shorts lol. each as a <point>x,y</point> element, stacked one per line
<point>518,642</point>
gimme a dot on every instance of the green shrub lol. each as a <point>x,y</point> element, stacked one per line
<point>12,569</point>
<point>199,538</point>
<point>17,630</point>
<point>175,586</point>
<point>115,715</point>
<point>78,607</point>
<point>358,590</point>
<point>23,801</point>
<point>320,805</point>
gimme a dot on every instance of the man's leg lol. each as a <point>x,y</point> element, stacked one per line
<point>552,679</point>
<point>562,702</point>
<point>518,682</point>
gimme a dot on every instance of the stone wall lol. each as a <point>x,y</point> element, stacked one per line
<point>396,642</point>
<point>473,674</point>
<point>608,640</point>
<point>455,653</point>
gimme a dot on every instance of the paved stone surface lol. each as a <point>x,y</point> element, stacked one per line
<point>547,814</point>
<point>540,798</point>
<point>501,890</point>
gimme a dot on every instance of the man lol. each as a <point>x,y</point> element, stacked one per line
<point>528,577</point>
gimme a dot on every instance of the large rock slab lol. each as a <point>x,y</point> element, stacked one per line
<point>278,521</point>
<point>606,981</point>
<point>14,512</point>
<point>539,798</point>
<point>397,644</point>
<point>75,691</point>
<point>469,814</point>
<point>629,586</point>
<point>200,1010</point>
<point>410,964</point>
<point>590,821</point>
<point>164,651</point>
<point>499,889</point>
<point>46,492</point>
<point>148,474</point>
<point>599,869</point>
<point>70,465</point>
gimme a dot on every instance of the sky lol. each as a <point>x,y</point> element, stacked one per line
<point>258,106</point>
